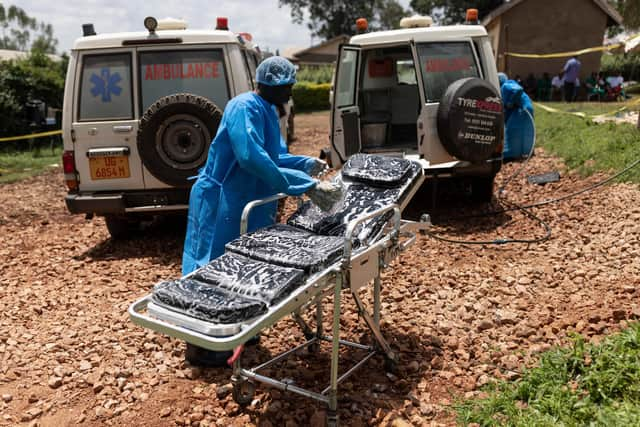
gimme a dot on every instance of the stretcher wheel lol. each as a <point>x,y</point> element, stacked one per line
<point>332,419</point>
<point>243,392</point>
<point>390,365</point>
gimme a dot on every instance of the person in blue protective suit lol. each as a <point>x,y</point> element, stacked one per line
<point>247,160</point>
<point>518,119</point>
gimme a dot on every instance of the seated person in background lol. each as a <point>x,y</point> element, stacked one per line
<point>615,83</point>
<point>557,83</point>
<point>543,88</point>
<point>530,86</point>
<point>594,89</point>
<point>602,82</point>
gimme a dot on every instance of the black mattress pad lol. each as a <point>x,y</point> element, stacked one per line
<point>288,246</point>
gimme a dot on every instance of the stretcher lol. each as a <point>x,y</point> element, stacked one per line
<point>287,269</point>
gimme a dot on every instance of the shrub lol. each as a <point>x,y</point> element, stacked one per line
<point>309,96</point>
<point>317,74</point>
<point>628,64</point>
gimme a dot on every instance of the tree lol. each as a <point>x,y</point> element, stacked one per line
<point>36,77</point>
<point>18,29</point>
<point>630,11</point>
<point>331,18</point>
<point>448,12</point>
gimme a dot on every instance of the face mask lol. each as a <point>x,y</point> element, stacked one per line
<point>277,95</point>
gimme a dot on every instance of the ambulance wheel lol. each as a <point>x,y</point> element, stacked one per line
<point>482,189</point>
<point>174,136</point>
<point>121,227</point>
<point>243,392</point>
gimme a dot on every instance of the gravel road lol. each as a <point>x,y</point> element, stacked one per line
<point>460,315</point>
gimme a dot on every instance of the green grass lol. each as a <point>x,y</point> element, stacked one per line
<point>590,108</point>
<point>15,166</point>
<point>586,146</point>
<point>584,384</point>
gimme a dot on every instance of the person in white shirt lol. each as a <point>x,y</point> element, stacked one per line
<point>556,87</point>
<point>615,81</point>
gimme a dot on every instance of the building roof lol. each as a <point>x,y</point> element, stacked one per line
<point>335,40</point>
<point>614,17</point>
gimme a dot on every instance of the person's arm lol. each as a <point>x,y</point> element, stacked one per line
<point>291,161</point>
<point>247,143</point>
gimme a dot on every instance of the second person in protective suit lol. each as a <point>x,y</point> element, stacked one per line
<point>247,160</point>
<point>518,119</point>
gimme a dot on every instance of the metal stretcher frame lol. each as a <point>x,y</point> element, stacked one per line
<point>357,268</point>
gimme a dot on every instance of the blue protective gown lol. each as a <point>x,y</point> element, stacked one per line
<point>519,129</point>
<point>247,160</point>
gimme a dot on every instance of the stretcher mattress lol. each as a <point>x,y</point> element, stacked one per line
<point>289,246</point>
<point>250,278</point>
<point>206,302</point>
<point>381,171</point>
<point>364,193</point>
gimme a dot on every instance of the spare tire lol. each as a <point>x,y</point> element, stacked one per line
<point>174,136</point>
<point>470,120</point>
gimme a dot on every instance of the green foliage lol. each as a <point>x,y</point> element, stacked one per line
<point>448,12</point>
<point>36,77</point>
<point>584,384</point>
<point>587,146</point>
<point>630,11</point>
<point>628,64</point>
<point>330,18</point>
<point>321,74</point>
<point>18,29</point>
<point>309,96</point>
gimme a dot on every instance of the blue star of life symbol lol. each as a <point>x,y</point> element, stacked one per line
<point>106,84</point>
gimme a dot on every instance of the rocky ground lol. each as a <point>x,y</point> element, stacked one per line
<point>459,315</point>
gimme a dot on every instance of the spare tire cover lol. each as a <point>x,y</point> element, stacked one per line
<point>470,120</point>
<point>174,136</point>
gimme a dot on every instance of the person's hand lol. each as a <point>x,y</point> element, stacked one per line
<point>318,167</point>
<point>325,195</point>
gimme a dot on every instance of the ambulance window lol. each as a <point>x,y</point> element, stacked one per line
<point>200,72</point>
<point>105,88</point>
<point>345,87</point>
<point>406,72</point>
<point>443,64</point>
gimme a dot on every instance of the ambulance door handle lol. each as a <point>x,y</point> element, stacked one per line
<point>123,129</point>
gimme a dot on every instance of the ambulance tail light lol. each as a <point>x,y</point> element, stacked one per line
<point>69,168</point>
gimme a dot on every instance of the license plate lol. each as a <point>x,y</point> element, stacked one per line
<point>110,167</point>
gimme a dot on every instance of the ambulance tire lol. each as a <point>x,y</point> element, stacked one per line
<point>470,120</point>
<point>174,136</point>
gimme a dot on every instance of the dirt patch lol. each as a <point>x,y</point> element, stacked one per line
<point>458,315</point>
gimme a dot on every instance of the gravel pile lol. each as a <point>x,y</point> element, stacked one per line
<point>460,316</point>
